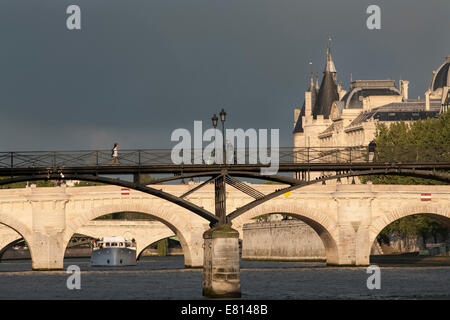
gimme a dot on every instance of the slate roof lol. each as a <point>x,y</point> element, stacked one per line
<point>399,111</point>
<point>299,124</point>
<point>326,96</point>
<point>353,98</point>
<point>442,77</point>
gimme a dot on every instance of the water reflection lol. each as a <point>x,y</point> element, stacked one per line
<point>166,278</point>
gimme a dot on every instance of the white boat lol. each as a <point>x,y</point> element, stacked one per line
<point>113,251</point>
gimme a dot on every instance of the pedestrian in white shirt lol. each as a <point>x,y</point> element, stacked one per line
<point>115,154</point>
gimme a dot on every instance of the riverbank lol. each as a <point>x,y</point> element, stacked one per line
<point>409,259</point>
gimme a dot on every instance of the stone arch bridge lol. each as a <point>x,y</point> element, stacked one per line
<point>347,217</point>
<point>145,232</point>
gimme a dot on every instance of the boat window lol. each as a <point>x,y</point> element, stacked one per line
<point>113,244</point>
<point>107,244</point>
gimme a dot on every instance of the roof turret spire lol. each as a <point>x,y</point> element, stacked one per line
<point>328,89</point>
<point>317,81</point>
<point>329,67</point>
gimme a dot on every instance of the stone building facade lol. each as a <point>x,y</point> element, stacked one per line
<point>331,116</point>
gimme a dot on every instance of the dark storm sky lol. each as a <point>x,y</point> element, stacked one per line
<point>139,69</point>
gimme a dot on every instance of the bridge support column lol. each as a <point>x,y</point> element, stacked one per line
<point>47,251</point>
<point>354,246</point>
<point>221,272</point>
<point>196,244</point>
<point>362,254</point>
<point>48,224</point>
<point>137,178</point>
<point>354,215</point>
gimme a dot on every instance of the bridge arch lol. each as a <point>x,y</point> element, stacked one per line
<point>438,212</point>
<point>150,242</point>
<point>20,228</point>
<point>166,215</point>
<point>142,241</point>
<point>8,246</point>
<point>324,225</point>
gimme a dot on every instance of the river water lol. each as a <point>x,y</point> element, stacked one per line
<point>166,278</point>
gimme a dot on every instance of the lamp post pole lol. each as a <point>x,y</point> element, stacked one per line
<point>222,119</point>
<point>214,121</point>
<point>221,270</point>
<point>219,182</point>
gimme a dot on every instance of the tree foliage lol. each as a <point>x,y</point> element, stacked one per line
<point>39,183</point>
<point>87,184</point>
<point>163,247</point>
<point>424,139</point>
<point>147,179</point>
<point>414,226</point>
<point>125,216</point>
<point>420,136</point>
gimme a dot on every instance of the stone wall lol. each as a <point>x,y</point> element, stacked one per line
<point>281,240</point>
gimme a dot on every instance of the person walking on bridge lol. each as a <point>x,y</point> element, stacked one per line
<point>115,154</point>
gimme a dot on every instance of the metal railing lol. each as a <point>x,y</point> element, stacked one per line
<point>162,157</point>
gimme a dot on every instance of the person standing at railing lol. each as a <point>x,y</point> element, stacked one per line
<point>115,154</point>
<point>212,157</point>
<point>229,152</point>
<point>372,148</point>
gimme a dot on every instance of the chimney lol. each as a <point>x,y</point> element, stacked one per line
<point>366,104</point>
<point>308,107</point>
<point>311,82</point>
<point>404,84</point>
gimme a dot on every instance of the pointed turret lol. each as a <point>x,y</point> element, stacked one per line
<point>329,67</point>
<point>328,89</point>
<point>299,123</point>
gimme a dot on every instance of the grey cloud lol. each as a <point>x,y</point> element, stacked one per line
<point>139,69</point>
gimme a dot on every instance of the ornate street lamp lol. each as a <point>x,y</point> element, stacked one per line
<point>223,114</point>
<point>214,120</point>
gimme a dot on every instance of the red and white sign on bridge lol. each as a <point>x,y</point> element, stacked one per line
<point>125,191</point>
<point>425,196</point>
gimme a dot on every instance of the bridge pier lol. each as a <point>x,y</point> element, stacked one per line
<point>354,213</point>
<point>47,251</point>
<point>196,244</point>
<point>48,226</point>
<point>137,178</point>
<point>221,271</point>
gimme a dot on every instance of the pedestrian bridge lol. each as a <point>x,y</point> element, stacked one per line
<point>346,217</point>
